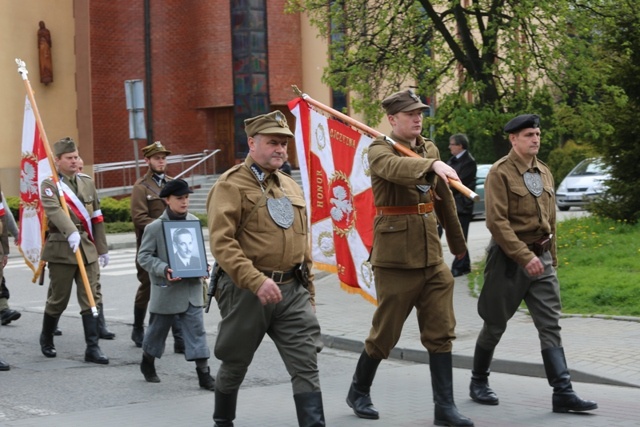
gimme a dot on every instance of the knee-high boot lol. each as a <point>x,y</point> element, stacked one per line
<point>564,398</point>
<point>358,397</point>
<point>224,411</point>
<point>93,353</point>
<point>105,334</point>
<point>445,413</point>
<point>479,389</point>
<point>309,409</point>
<point>49,324</point>
<point>137,334</point>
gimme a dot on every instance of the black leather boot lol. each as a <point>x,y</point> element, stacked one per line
<point>224,411</point>
<point>7,316</point>
<point>564,398</point>
<point>105,334</point>
<point>148,369</point>
<point>93,353</point>
<point>137,334</point>
<point>205,379</point>
<point>309,409</point>
<point>479,389</point>
<point>445,413</point>
<point>4,366</point>
<point>49,324</point>
<point>358,397</point>
<point>178,341</point>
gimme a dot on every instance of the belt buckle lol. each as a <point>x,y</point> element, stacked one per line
<point>277,276</point>
<point>422,208</point>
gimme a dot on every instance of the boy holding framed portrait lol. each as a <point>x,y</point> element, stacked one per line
<point>173,252</point>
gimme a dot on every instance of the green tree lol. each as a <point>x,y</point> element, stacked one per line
<point>492,59</point>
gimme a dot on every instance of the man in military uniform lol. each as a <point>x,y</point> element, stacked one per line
<point>521,261</point>
<point>411,195</point>
<point>251,207</point>
<point>82,229</point>
<point>7,315</point>
<point>4,254</point>
<point>146,206</point>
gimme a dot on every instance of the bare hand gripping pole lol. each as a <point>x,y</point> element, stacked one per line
<point>400,148</point>
<point>22,69</point>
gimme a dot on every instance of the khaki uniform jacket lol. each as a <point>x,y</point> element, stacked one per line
<point>262,245</point>
<point>410,241</point>
<point>166,297</point>
<point>4,230</point>
<point>146,204</point>
<point>61,225</point>
<point>515,217</point>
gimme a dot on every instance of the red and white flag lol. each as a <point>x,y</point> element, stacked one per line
<point>34,167</point>
<point>337,187</point>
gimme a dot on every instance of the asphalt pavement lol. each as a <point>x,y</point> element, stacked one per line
<point>602,353</point>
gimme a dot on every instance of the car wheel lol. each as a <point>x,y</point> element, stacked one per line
<point>564,208</point>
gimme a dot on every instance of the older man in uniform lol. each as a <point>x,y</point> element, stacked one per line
<point>258,235</point>
<point>146,206</point>
<point>411,195</point>
<point>82,229</point>
<point>4,254</point>
<point>521,261</point>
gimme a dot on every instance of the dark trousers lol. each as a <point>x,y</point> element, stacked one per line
<point>463,264</point>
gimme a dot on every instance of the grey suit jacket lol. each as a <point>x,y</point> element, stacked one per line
<point>166,297</point>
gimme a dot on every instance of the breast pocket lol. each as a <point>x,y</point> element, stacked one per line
<point>299,215</point>
<point>521,201</point>
<point>258,219</point>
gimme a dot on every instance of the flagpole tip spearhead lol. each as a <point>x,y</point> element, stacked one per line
<point>22,68</point>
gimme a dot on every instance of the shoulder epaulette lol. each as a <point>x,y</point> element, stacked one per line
<point>84,175</point>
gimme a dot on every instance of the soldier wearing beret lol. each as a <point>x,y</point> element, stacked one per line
<point>82,229</point>
<point>411,197</point>
<point>171,296</point>
<point>521,264</point>
<point>251,207</point>
<point>146,206</point>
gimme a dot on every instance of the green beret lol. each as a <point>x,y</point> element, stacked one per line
<point>155,148</point>
<point>406,100</point>
<point>525,121</point>
<point>274,123</point>
<point>64,145</point>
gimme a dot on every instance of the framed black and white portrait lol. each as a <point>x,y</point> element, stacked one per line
<point>185,248</point>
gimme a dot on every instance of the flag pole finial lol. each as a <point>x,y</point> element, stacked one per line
<point>297,91</point>
<point>22,68</point>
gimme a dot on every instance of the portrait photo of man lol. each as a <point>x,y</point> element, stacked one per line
<point>184,245</point>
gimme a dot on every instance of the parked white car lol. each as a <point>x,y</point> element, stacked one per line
<point>586,182</point>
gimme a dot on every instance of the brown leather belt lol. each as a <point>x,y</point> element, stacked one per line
<point>279,276</point>
<point>419,209</point>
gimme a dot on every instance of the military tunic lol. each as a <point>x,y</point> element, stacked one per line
<point>146,206</point>
<point>261,246</point>
<point>407,255</point>
<point>63,265</point>
<point>516,218</point>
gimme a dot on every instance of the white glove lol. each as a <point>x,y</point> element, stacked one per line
<point>74,241</point>
<point>103,260</point>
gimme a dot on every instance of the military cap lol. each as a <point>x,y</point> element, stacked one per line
<point>64,145</point>
<point>523,121</point>
<point>274,123</point>
<point>155,148</point>
<point>175,187</point>
<point>405,100</point>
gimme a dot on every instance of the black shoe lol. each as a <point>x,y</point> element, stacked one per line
<point>148,369</point>
<point>458,273</point>
<point>7,315</point>
<point>4,366</point>
<point>205,379</point>
<point>480,392</point>
<point>57,332</point>
<point>137,336</point>
<point>178,347</point>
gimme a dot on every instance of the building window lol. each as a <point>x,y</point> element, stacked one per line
<point>250,66</point>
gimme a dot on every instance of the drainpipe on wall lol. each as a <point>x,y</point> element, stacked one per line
<point>147,70</point>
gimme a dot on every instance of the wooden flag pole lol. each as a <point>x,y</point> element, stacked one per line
<point>402,149</point>
<point>22,69</point>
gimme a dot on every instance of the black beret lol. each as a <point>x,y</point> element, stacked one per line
<point>175,187</point>
<point>406,100</point>
<point>523,121</point>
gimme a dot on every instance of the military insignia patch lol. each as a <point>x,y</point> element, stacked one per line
<point>281,120</point>
<point>533,181</point>
<point>281,211</point>
<point>48,192</point>
<point>414,96</point>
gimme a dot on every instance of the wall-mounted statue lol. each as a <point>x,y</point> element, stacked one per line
<point>44,52</point>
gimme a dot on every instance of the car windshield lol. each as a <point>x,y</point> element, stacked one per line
<point>590,167</point>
